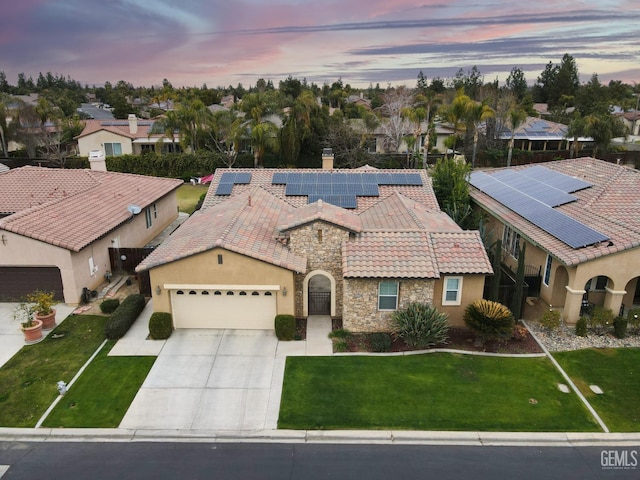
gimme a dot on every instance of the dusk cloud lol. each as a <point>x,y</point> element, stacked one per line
<point>363,41</point>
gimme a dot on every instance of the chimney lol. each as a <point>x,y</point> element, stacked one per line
<point>327,159</point>
<point>97,160</point>
<point>133,124</point>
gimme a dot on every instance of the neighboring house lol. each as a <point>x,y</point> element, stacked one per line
<point>538,134</point>
<point>631,120</point>
<point>579,221</point>
<point>359,100</point>
<point>379,138</point>
<point>123,137</point>
<point>56,225</point>
<point>356,244</point>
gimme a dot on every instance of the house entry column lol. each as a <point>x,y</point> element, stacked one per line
<point>572,304</point>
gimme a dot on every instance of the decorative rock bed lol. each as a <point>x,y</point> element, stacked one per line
<point>565,339</point>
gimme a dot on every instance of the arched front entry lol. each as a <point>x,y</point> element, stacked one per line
<point>319,294</point>
<point>559,292</point>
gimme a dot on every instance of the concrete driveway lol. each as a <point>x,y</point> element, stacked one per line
<point>223,380</point>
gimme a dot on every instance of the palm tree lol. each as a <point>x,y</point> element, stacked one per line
<point>415,115</point>
<point>262,131</point>
<point>517,116</point>
<point>477,113</point>
<point>577,129</point>
<point>456,112</point>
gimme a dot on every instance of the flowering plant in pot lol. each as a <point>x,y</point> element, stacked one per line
<point>31,327</point>
<point>43,307</point>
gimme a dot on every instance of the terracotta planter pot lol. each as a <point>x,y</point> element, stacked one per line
<point>48,321</point>
<point>33,333</point>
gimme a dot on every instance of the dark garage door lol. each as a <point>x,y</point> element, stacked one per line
<point>16,282</point>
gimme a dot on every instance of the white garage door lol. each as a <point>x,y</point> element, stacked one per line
<point>224,308</point>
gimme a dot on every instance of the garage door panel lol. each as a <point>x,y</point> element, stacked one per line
<point>17,282</point>
<point>193,309</point>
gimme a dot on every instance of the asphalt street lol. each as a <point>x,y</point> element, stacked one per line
<point>247,461</point>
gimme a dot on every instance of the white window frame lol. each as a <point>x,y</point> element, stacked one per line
<point>113,146</point>
<point>547,270</point>
<point>511,242</point>
<point>446,289</point>
<point>148,217</point>
<point>92,267</point>
<point>387,295</point>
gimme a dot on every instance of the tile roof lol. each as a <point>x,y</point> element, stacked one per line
<point>611,206</point>
<point>119,127</point>
<point>75,207</point>
<point>320,211</point>
<point>262,177</point>
<point>246,224</point>
<point>401,233</point>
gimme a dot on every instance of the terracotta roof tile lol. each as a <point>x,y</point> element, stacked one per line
<point>460,252</point>
<point>83,205</point>
<point>245,224</point>
<point>320,211</point>
<point>610,206</point>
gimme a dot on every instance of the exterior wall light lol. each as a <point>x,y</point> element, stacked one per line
<point>284,291</point>
<point>158,290</point>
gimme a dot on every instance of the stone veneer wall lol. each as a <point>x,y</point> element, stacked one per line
<point>321,255</point>
<point>360,312</point>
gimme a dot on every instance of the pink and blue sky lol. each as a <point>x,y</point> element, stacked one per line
<point>226,42</point>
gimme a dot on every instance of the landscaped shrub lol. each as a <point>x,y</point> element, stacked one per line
<point>341,333</point>
<point>123,317</point>
<point>285,327</point>
<point>160,325</point>
<point>489,320</point>
<point>341,345</point>
<point>519,332</point>
<point>620,327</point>
<point>420,325</point>
<point>633,320</point>
<point>109,305</point>
<point>551,319</point>
<point>581,327</point>
<point>380,342</point>
<point>600,319</point>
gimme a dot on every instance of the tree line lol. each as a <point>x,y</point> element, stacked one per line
<point>297,119</point>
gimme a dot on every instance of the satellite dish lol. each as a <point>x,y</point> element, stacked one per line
<point>134,209</point>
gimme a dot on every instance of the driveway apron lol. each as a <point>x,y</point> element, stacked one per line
<point>223,380</point>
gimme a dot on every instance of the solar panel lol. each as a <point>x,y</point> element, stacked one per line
<point>342,201</point>
<point>540,191</point>
<point>294,178</point>
<point>558,180</point>
<point>243,178</point>
<point>325,178</point>
<point>384,179</point>
<point>224,189</point>
<point>339,189</point>
<point>228,177</point>
<point>279,178</point>
<point>562,227</point>
<point>370,190</point>
<point>293,189</point>
<point>414,179</point>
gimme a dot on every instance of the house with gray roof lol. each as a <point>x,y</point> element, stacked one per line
<point>580,221</point>
<point>352,244</point>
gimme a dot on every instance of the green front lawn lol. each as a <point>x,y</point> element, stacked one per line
<point>617,373</point>
<point>103,393</point>
<point>428,392</point>
<point>188,196</point>
<point>28,381</point>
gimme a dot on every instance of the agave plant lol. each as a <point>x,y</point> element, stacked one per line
<point>420,325</point>
<point>489,320</point>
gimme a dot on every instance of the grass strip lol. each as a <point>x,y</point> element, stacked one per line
<point>428,392</point>
<point>617,373</point>
<point>28,380</point>
<point>103,393</point>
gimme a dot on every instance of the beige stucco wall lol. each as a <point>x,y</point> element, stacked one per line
<point>322,254</point>
<point>236,269</point>
<point>360,312</point>
<point>96,141</point>
<point>74,266</point>
<point>472,289</point>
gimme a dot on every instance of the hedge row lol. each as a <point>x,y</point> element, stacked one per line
<point>285,326</point>
<point>123,317</point>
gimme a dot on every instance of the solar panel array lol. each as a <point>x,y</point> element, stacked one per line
<point>509,191</point>
<point>543,192</point>
<point>229,179</point>
<point>340,188</point>
<point>558,180</point>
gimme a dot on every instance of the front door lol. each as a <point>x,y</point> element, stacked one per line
<point>319,295</point>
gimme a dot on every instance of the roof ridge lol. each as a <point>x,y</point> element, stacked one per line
<point>605,187</point>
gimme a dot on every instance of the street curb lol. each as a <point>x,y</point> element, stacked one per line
<point>361,437</point>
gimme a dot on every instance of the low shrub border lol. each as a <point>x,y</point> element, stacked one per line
<point>123,317</point>
<point>160,325</point>
<point>109,305</point>
<point>285,326</point>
